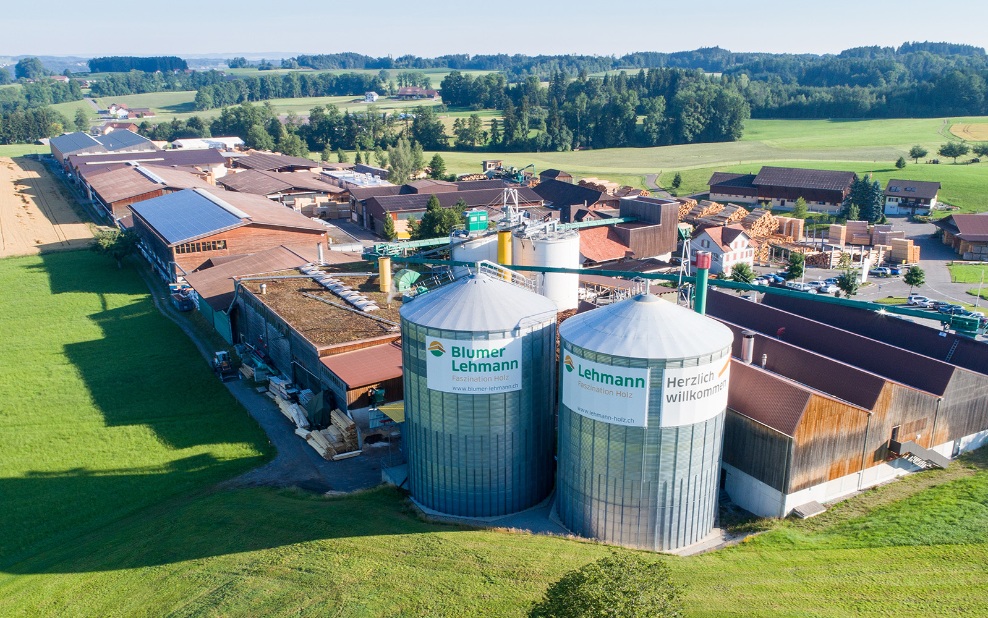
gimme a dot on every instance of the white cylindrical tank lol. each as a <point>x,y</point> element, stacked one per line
<point>643,386</point>
<point>479,357</point>
<point>473,250</point>
<point>556,249</point>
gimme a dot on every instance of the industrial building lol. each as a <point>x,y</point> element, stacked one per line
<point>183,231</point>
<point>113,188</point>
<point>818,412</point>
<point>302,191</point>
<point>82,144</point>
<point>823,190</point>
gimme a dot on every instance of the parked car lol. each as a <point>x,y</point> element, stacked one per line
<point>918,301</point>
<point>760,281</point>
<point>801,287</point>
<point>952,309</point>
<point>936,304</point>
<point>881,271</point>
<point>831,281</point>
<point>827,288</point>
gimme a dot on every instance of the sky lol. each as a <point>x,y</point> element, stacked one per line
<point>191,28</point>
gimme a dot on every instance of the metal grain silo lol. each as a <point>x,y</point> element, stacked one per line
<point>479,362</point>
<point>539,245</point>
<point>643,387</point>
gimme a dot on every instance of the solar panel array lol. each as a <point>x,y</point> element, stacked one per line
<point>339,288</point>
<point>184,215</point>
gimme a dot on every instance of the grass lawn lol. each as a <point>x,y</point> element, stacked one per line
<point>107,407</point>
<point>113,434</point>
<point>967,273</point>
<point>19,150</point>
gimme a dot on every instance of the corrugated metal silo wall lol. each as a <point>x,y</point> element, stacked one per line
<point>480,455</point>
<point>647,487</point>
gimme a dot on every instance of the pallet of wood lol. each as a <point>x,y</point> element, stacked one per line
<point>347,429</point>
<point>791,227</point>
<point>836,234</point>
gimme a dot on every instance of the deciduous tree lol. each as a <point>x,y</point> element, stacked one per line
<point>620,586</point>
<point>115,243</point>
<point>917,152</point>
<point>742,273</point>
<point>954,150</point>
<point>796,266</point>
<point>914,278</point>
<point>81,120</point>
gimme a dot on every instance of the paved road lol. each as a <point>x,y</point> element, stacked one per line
<point>296,463</point>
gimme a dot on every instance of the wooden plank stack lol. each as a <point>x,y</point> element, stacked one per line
<point>791,228</point>
<point>903,250</point>
<point>338,441</point>
<point>837,234</point>
<point>703,209</point>
<point>857,233</point>
<point>604,186</point>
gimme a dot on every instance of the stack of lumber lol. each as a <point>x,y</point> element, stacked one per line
<point>292,411</point>
<point>732,213</point>
<point>903,250</point>
<point>760,223</point>
<point>686,204</point>
<point>837,234</point>
<point>338,441</point>
<point>305,396</point>
<point>250,373</point>
<point>629,191</point>
<point>282,387</point>
<point>857,233</point>
<point>884,237</point>
<point>791,227</point>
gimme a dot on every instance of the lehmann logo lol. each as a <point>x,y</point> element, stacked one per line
<point>568,362</point>
<point>437,348</point>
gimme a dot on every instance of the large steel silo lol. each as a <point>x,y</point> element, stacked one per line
<point>643,386</point>
<point>479,357</point>
<point>556,248</point>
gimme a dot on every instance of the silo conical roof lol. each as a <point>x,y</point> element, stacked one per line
<point>646,327</point>
<point>478,302</point>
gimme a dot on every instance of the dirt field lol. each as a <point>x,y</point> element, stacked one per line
<point>974,132</point>
<point>34,215</point>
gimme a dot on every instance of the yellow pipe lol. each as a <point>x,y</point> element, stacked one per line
<point>504,247</point>
<point>384,273</point>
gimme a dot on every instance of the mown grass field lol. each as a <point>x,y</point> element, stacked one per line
<point>114,434</point>
<point>967,273</point>
<point>19,150</point>
<point>107,407</point>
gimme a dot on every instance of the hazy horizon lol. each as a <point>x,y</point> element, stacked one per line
<point>196,30</point>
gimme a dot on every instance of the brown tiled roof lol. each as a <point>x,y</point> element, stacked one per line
<point>367,366</point>
<point>873,356</point>
<point>428,185</point>
<point>263,211</point>
<point>209,156</point>
<point>912,188</point>
<point>378,205</point>
<point>972,228</point>
<point>601,244</point>
<point>216,285</point>
<point>766,398</point>
<point>817,372</point>
<point>803,178</point>
<point>272,161</point>
<point>728,179</point>
<point>362,193</point>
<point>262,182</point>
<point>126,181</point>
<point>559,194</point>
<point>930,342</point>
<point>473,185</point>
<point>723,235</point>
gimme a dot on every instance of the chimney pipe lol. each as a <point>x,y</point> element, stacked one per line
<point>747,346</point>
<point>764,360</point>
<point>319,254</point>
<point>264,289</point>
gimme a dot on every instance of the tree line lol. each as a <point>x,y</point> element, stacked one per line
<point>119,64</point>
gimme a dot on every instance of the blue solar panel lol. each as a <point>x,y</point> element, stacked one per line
<point>72,142</point>
<point>184,215</point>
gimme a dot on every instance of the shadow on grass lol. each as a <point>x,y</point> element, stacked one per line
<point>220,523</point>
